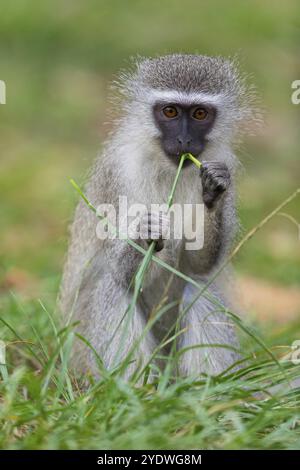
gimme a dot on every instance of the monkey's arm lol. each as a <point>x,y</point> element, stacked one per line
<point>122,258</point>
<point>216,179</point>
<point>218,195</point>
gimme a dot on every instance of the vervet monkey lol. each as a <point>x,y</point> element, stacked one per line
<point>169,106</point>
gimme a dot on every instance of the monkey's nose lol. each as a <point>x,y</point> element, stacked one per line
<point>184,142</point>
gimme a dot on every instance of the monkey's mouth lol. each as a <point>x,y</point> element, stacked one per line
<point>174,152</point>
<point>175,157</point>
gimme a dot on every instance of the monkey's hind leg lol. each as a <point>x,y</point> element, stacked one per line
<point>205,324</point>
<point>112,330</point>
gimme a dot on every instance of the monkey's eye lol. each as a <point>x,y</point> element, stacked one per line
<point>200,114</point>
<point>170,111</point>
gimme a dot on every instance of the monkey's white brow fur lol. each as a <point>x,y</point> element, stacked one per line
<point>189,98</point>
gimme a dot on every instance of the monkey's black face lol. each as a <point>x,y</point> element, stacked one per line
<point>184,128</point>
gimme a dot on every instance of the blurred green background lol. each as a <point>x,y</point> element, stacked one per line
<point>57,59</point>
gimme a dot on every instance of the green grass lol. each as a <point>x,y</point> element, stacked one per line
<point>42,406</point>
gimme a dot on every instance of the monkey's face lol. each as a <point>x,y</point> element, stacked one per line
<point>183,128</point>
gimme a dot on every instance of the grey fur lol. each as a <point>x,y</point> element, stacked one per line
<point>190,73</point>
<point>97,273</point>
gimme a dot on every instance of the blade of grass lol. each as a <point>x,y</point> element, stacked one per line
<point>61,352</point>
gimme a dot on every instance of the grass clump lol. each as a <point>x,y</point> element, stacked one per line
<point>43,407</point>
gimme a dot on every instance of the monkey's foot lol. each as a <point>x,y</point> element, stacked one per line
<point>215,178</point>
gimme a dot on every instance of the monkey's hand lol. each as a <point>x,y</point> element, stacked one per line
<point>155,226</point>
<point>215,178</point>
